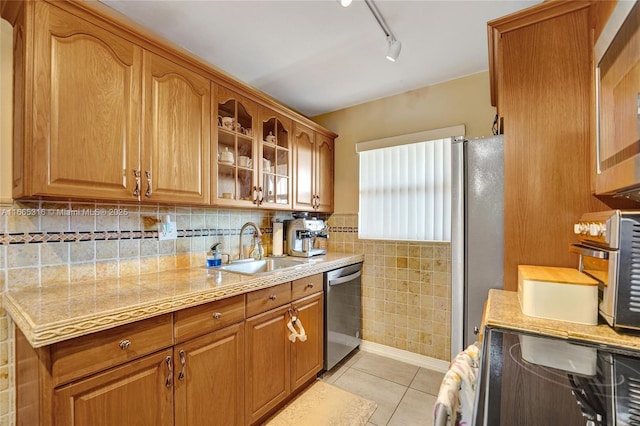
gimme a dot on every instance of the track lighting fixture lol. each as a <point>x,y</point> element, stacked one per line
<point>394,44</point>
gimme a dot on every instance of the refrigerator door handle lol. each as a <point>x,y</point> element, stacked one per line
<point>457,248</point>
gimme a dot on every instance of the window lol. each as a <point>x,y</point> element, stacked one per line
<point>405,186</point>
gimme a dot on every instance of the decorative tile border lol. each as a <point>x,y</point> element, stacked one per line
<point>344,229</point>
<point>72,236</point>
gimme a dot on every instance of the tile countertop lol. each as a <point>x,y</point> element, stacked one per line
<point>60,312</point>
<point>503,310</point>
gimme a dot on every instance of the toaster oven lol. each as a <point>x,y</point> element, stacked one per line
<point>609,249</point>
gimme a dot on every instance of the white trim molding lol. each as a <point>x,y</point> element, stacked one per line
<point>405,356</point>
<point>424,136</point>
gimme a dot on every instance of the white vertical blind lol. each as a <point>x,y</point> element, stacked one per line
<point>405,192</point>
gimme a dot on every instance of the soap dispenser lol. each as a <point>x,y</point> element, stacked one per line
<point>214,258</point>
<point>258,251</point>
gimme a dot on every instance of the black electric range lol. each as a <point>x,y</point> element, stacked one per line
<point>533,380</point>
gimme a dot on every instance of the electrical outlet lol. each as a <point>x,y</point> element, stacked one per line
<point>167,231</point>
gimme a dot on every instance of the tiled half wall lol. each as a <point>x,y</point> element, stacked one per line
<point>406,289</point>
<point>406,286</point>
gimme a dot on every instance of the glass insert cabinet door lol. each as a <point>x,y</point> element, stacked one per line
<point>235,153</point>
<point>275,160</point>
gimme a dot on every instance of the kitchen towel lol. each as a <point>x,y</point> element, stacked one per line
<point>296,334</point>
<point>454,405</point>
<point>278,233</point>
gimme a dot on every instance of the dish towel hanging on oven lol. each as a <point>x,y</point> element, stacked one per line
<point>454,405</point>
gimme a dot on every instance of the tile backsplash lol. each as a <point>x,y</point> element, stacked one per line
<point>406,285</point>
<point>406,289</point>
<point>42,242</point>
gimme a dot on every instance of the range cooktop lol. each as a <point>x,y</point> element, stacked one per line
<point>533,380</point>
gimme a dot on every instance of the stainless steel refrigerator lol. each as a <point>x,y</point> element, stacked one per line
<point>477,233</point>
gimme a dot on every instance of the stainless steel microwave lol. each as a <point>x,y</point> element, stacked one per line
<point>617,55</point>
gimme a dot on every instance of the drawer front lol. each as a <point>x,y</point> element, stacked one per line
<point>306,286</point>
<point>268,298</point>
<point>95,352</point>
<point>199,320</point>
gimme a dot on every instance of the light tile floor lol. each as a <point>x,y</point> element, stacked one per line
<point>405,393</point>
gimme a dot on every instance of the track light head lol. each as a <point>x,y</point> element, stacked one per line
<point>394,48</point>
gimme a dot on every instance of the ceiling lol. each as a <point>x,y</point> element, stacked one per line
<point>316,56</point>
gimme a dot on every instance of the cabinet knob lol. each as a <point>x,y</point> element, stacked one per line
<point>124,344</point>
<point>217,315</point>
<point>272,297</point>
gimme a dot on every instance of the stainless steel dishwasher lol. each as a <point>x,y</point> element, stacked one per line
<point>342,313</point>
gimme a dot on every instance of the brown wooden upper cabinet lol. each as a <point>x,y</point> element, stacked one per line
<point>313,161</point>
<point>274,160</point>
<point>175,135</point>
<point>541,72</point>
<point>104,112</point>
<point>324,172</point>
<point>112,121</point>
<point>234,149</point>
<point>76,132</point>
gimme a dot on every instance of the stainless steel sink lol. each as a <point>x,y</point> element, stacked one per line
<point>255,267</point>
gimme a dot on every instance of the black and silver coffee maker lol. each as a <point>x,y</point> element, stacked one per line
<point>302,237</point>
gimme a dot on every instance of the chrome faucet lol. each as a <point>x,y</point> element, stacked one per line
<point>245,226</point>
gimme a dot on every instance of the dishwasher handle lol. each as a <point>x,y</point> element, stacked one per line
<point>346,279</point>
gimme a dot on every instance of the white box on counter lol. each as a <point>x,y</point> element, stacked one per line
<point>556,293</point>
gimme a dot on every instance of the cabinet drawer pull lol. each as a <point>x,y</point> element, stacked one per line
<point>124,344</point>
<point>136,190</point>
<point>147,173</point>
<point>217,315</point>
<point>272,297</point>
<point>183,362</point>
<point>310,285</point>
<point>167,382</point>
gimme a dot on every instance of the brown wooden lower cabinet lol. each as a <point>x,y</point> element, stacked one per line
<point>209,372</point>
<point>307,357</point>
<point>175,386</point>
<point>190,368</point>
<point>136,393</point>
<point>275,366</point>
<point>267,357</point>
